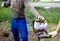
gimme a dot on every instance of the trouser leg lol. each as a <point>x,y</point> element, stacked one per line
<point>23,29</point>
<point>14,29</point>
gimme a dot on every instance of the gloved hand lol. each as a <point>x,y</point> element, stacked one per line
<point>54,33</point>
<point>2,5</point>
<point>39,18</point>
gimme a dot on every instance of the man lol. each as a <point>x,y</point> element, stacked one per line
<point>54,33</point>
<point>18,21</point>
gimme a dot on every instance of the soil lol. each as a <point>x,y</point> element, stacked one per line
<point>6,35</point>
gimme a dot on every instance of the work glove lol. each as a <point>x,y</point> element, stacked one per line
<point>53,34</point>
<point>39,18</point>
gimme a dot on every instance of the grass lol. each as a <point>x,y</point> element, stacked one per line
<point>4,13</point>
<point>51,15</point>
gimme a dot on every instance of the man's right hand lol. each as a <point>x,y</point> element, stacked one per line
<point>39,18</point>
<point>2,5</point>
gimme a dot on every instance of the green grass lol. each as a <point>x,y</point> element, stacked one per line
<point>51,15</point>
<point>4,13</point>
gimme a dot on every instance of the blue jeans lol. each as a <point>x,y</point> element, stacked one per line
<point>19,29</point>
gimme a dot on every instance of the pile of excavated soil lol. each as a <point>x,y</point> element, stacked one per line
<point>6,35</point>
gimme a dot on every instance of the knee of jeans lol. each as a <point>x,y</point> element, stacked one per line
<point>24,37</point>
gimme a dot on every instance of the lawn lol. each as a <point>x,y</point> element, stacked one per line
<point>51,15</point>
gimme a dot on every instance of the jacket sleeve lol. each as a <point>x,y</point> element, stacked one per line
<point>7,4</point>
<point>31,8</point>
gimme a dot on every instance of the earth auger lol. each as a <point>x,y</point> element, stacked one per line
<point>40,32</point>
